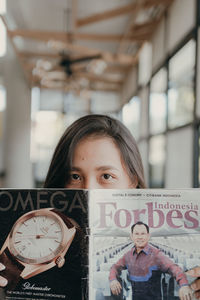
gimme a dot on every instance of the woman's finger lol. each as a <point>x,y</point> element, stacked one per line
<point>2,267</point>
<point>3,281</point>
<point>196,285</point>
<point>197,295</point>
<point>195,272</point>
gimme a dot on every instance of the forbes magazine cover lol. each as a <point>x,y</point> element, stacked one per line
<point>44,244</point>
<point>142,243</point>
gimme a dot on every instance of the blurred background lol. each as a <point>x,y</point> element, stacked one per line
<point>136,60</point>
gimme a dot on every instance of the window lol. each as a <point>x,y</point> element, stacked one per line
<point>179,170</point>
<point>158,102</point>
<point>131,116</point>
<point>2,131</point>
<point>199,157</point>
<point>157,161</point>
<point>2,99</point>
<point>181,86</point>
<point>2,7</point>
<point>47,127</point>
<point>2,39</point>
<point>2,29</point>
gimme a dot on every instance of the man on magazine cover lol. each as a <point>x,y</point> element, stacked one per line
<point>145,264</point>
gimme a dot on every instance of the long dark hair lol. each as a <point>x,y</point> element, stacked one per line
<point>95,125</point>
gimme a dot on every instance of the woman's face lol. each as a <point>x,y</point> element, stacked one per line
<point>97,164</point>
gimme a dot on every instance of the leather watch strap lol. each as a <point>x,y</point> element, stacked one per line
<point>13,269</point>
<point>64,218</point>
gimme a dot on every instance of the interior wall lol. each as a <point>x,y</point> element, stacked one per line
<point>159,45</point>
<point>2,125</point>
<point>181,19</point>
<point>18,121</point>
<point>144,97</point>
<point>145,64</point>
<point>198,78</point>
<point>143,147</point>
<point>178,23</point>
<point>130,86</point>
<point>179,171</point>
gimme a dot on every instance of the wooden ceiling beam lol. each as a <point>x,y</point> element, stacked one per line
<point>64,88</point>
<point>123,59</point>
<point>123,10</point>
<point>39,35</point>
<point>108,14</point>
<point>81,75</point>
<point>91,77</point>
<point>117,68</point>
<point>100,37</point>
<point>46,36</point>
<point>150,3</point>
<point>29,55</point>
<point>141,29</point>
<point>98,78</point>
<point>105,89</point>
<point>110,69</point>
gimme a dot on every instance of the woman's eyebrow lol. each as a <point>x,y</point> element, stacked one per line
<point>74,168</point>
<point>100,168</point>
<point>105,168</point>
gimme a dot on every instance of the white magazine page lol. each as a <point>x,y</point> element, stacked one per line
<point>173,220</point>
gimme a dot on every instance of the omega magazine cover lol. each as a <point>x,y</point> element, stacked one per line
<point>44,244</point>
<point>98,244</point>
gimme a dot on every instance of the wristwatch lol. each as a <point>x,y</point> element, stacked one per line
<point>37,242</point>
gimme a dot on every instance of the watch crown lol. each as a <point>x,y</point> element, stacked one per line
<point>60,261</point>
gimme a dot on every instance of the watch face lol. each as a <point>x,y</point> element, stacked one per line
<point>37,237</point>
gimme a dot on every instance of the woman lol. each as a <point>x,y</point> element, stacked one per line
<point>96,151</point>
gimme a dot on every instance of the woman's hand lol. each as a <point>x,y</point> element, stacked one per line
<point>195,285</point>
<point>3,281</point>
<point>185,293</point>
<point>115,287</point>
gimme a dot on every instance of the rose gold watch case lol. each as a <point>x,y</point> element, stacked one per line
<point>36,266</point>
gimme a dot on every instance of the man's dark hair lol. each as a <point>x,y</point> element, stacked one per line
<point>94,126</point>
<point>140,223</point>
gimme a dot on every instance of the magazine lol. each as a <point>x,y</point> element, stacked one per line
<point>173,217</point>
<point>76,244</point>
<point>44,244</point>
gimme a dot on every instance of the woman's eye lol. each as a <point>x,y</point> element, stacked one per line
<point>75,177</point>
<point>107,176</point>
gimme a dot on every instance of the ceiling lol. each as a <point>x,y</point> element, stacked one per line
<point>80,44</point>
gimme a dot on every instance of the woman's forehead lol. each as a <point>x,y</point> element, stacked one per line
<point>97,145</point>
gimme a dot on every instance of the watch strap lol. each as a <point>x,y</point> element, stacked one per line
<point>13,269</point>
<point>65,219</point>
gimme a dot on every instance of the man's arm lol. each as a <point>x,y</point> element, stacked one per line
<point>115,287</point>
<point>168,266</point>
<point>115,271</point>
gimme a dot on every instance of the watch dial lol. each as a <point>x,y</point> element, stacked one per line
<point>37,237</point>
